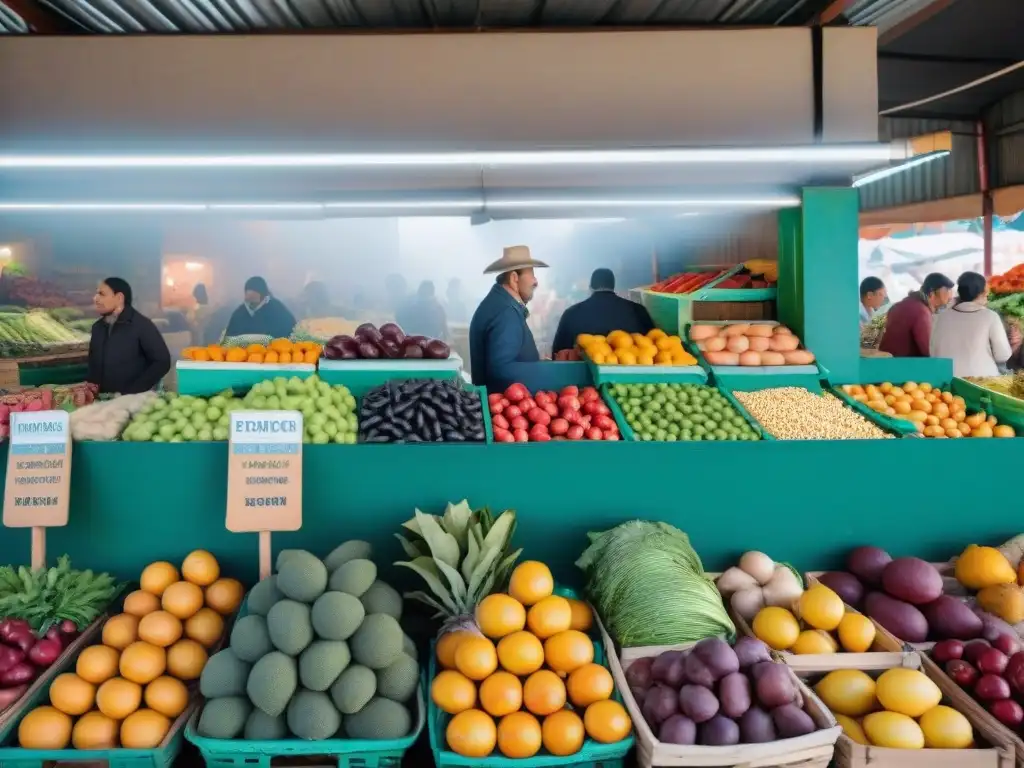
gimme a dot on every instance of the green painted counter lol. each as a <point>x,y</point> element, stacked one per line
<point>137,502</point>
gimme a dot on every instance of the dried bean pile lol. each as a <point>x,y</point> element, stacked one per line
<point>421,411</point>
<point>792,413</point>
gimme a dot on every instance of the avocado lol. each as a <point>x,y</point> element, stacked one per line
<point>380,719</point>
<point>337,615</point>
<point>398,680</point>
<point>224,718</point>
<point>354,577</point>
<point>263,596</point>
<point>250,639</point>
<point>322,662</point>
<point>381,597</point>
<point>289,627</point>
<point>312,716</point>
<point>262,727</point>
<point>377,642</point>
<point>272,682</point>
<point>302,577</point>
<point>353,689</point>
<point>350,550</point>
<point>224,675</point>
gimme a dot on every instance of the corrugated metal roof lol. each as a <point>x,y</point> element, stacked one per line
<point>1004,122</point>
<point>10,21</point>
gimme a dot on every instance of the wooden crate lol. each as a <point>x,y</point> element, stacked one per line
<point>11,368</point>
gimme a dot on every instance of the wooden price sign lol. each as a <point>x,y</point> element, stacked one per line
<point>38,486</point>
<point>265,476</point>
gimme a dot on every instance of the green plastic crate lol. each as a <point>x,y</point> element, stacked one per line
<point>894,423</point>
<point>592,755</point>
<point>204,379</point>
<point>360,376</point>
<point>646,374</point>
<point>1007,408</point>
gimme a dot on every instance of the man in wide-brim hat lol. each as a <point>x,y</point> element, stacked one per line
<point>501,346</point>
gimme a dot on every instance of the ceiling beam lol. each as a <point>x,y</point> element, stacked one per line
<point>833,11</point>
<point>912,21</point>
<point>41,19</point>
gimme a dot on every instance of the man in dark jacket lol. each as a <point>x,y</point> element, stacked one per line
<point>260,314</point>
<point>501,346</point>
<point>908,324</point>
<point>601,314</point>
<point>127,354</point>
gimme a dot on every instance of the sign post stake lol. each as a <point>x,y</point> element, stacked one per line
<point>38,486</point>
<point>265,476</point>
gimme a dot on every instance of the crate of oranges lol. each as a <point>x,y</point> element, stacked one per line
<point>656,357</point>
<point>125,700</point>
<point>214,368</point>
<point>532,689</point>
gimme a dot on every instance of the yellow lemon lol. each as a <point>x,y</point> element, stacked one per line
<point>821,607</point>
<point>776,627</point>
<point>813,641</point>
<point>856,633</point>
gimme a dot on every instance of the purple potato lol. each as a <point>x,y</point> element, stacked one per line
<point>659,705</point>
<point>368,332</point>
<point>668,668</point>
<point>912,580</point>
<point>678,730</point>
<point>697,672</point>
<point>639,673</point>
<point>902,619</point>
<point>412,351</point>
<point>697,703</point>
<point>846,585</point>
<point>393,332</point>
<point>719,731</point>
<point>639,695</point>
<point>756,726</point>
<point>437,350</point>
<point>749,651</point>
<point>369,351</point>
<point>717,656</point>
<point>775,687</point>
<point>791,721</point>
<point>867,564</point>
<point>734,694</point>
<point>758,669</point>
<point>951,617</point>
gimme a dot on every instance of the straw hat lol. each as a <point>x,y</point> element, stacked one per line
<point>512,258</point>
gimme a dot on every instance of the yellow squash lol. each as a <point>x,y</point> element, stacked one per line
<point>980,567</point>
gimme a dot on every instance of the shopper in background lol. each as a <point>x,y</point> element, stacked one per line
<point>127,354</point>
<point>199,314</point>
<point>315,301</point>
<point>908,323</point>
<point>456,310</point>
<point>423,314</point>
<point>260,314</point>
<point>971,333</point>
<point>872,298</point>
<point>600,314</point>
<point>501,346</point>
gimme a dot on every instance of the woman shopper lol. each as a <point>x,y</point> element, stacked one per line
<point>970,333</point>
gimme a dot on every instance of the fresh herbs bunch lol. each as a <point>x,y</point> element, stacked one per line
<point>48,596</point>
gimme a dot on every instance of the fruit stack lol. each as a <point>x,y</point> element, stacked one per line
<point>530,658</point>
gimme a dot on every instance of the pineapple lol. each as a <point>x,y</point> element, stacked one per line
<point>462,556</point>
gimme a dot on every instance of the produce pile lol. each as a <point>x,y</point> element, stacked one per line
<point>42,399</point>
<point>933,411</point>
<point>329,413</point>
<point>686,282</point>
<point>794,413</point>
<point>751,344</point>
<point>899,710</point>
<point>1009,305</point>
<point>757,581</point>
<point>718,695</point>
<point>670,412</point>
<point>567,355</point>
<point>128,690</point>
<point>387,342</point>
<point>649,586</point>
<point>35,332</point>
<point>1011,384</point>
<point>1010,282</point>
<point>42,613</point>
<point>106,420</point>
<point>572,414</point>
<point>320,654</point>
<point>324,328</point>
<point>821,613</point>
<point>621,348</point>
<point>994,677</point>
<point>756,273</point>
<point>871,334</point>
<point>421,411</point>
<point>28,291</point>
<point>281,351</point>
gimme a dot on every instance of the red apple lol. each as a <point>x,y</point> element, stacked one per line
<point>1006,643</point>
<point>575,432</point>
<point>947,650</point>
<point>512,412</point>
<point>991,688</point>
<point>569,403</point>
<point>1008,712</point>
<point>521,436</point>
<point>519,423</point>
<point>503,436</point>
<point>559,426</point>
<point>499,422</point>
<point>516,392</point>
<point>538,416</point>
<point>962,673</point>
<point>992,662</point>
<point>974,649</point>
<point>550,409</point>
<point>570,390</point>
<point>594,434</point>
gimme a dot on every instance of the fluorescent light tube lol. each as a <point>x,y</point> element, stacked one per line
<point>884,173</point>
<point>782,201</point>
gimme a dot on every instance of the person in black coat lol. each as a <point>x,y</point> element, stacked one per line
<point>127,354</point>
<point>260,314</point>
<point>601,314</point>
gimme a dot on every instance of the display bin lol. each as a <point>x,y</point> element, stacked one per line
<point>672,311</point>
<point>360,376</point>
<point>207,378</point>
<point>592,755</point>
<point>894,423</point>
<point>815,750</point>
<point>646,374</point>
<point>794,375</point>
<point>994,749</point>
<point>1008,409</point>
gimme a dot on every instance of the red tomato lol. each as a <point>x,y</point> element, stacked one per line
<point>503,436</point>
<point>540,437</point>
<point>571,416</point>
<point>575,432</point>
<point>551,410</point>
<point>559,426</point>
<point>538,430</point>
<point>499,422</point>
<point>519,422</point>
<point>610,435</point>
<point>494,398</point>
<point>569,402</point>
<point>604,422</point>
<point>542,398</point>
<point>521,436</point>
<point>505,403</point>
<point>589,394</point>
<point>539,416</point>
<point>513,412</point>
<point>583,421</point>
<point>594,434</point>
<point>527,405</point>
<point>497,407</point>
<point>516,392</point>
<point>571,390</point>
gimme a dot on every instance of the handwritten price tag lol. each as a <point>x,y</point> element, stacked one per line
<point>38,486</point>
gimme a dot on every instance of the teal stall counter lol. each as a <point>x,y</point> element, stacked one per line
<point>803,502</point>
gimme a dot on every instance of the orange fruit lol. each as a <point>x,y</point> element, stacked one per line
<point>121,631</point>
<point>531,582</point>
<point>476,657</point>
<point>521,653</point>
<point>160,629</point>
<point>142,663</point>
<point>471,734</point>
<point>498,615</point>
<point>453,692</point>
<point>156,577</point>
<point>501,694</point>
<point>544,692</point>
<point>97,664</point>
<point>582,616</point>
<point>563,733</point>
<point>44,728</point>
<point>144,729</point>
<point>519,735</point>
<point>117,698</point>
<point>607,721</point>
<point>140,602</point>
<point>71,694</point>
<point>182,599</point>
<point>588,684</point>
<point>186,659</point>
<point>205,627</point>
<point>446,645</point>
<point>225,595</point>
<point>200,568</point>
<point>167,696</point>
<point>568,650</point>
<point>94,730</point>
<point>549,616</point>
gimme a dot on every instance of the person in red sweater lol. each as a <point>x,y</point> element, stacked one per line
<point>908,325</point>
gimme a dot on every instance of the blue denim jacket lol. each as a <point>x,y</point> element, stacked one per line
<point>501,346</point>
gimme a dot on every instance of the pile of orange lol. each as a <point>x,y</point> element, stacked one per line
<point>934,412</point>
<point>621,348</point>
<point>528,679</point>
<point>127,691</point>
<point>277,351</point>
